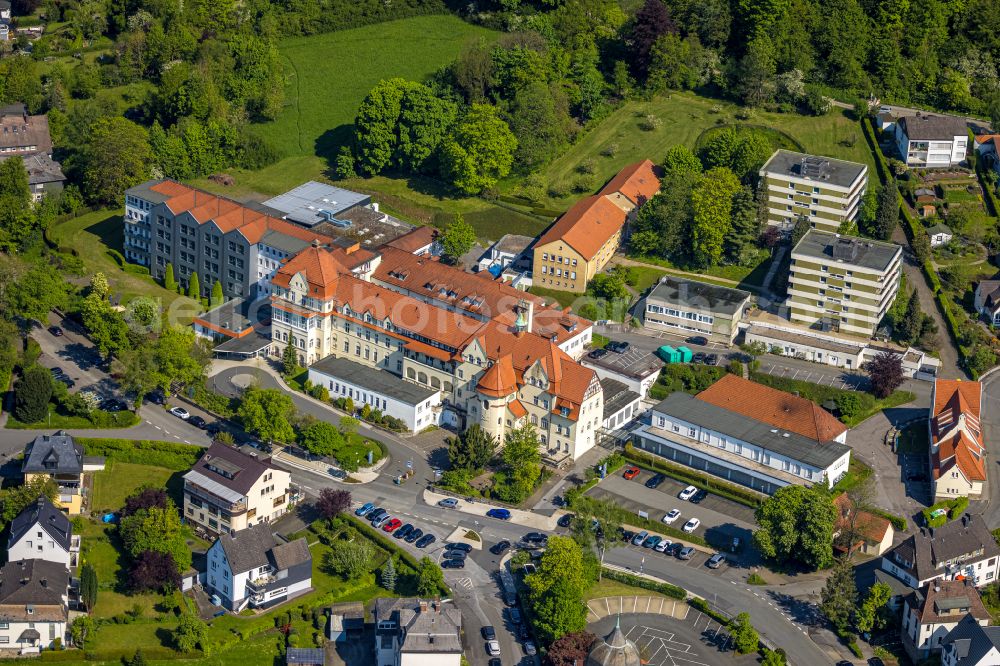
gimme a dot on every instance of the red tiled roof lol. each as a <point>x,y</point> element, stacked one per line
<point>956,432</point>
<point>871,527</point>
<point>587,226</point>
<point>320,268</point>
<point>414,240</point>
<point>517,409</point>
<point>777,408</point>
<point>499,380</point>
<point>639,182</point>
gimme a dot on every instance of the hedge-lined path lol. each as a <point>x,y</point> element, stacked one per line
<point>647,605</point>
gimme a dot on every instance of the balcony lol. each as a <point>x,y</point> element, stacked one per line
<point>198,493</point>
<point>74,544</point>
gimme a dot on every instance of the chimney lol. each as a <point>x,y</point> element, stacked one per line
<point>44,583</point>
<point>423,605</point>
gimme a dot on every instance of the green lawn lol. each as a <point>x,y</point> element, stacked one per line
<point>612,588</point>
<point>122,419</point>
<point>684,117</point>
<point>92,236</point>
<point>118,480</point>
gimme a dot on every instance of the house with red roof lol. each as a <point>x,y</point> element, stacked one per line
<point>957,450</point>
<point>580,243</point>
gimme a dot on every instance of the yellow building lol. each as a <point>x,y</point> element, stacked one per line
<point>60,458</point>
<point>581,242</point>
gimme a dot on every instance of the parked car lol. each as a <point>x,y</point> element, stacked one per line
<point>493,648</point>
<point>381,522</point>
<point>499,514</point>
<point>414,534</point>
<point>403,531</point>
<point>699,357</point>
<point>627,535</point>
<point>672,515</point>
<point>392,524</point>
<point>515,616</point>
<point>500,547</point>
<point>673,548</point>
<point>687,493</point>
<point>425,541</point>
<point>663,545</point>
<point>156,397</point>
<point>180,413</point>
<point>716,561</point>
<point>57,371</point>
<point>530,649</point>
<point>630,473</point>
<point>495,661</point>
<point>455,555</point>
<point>448,503</point>
<point>375,514</point>
<point>691,525</point>
<point>337,473</point>
<point>652,541</point>
<point>536,538</point>
<point>697,340</point>
<point>113,405</point>
<point>712,359</point>
<point>453,564</point>
<point>565,520</point>
<point>489,633</point>
<point>598,353</point>
<point>618,347</point>
<point>214,428</point>
<point>459,546</point>
<point>523,632</point>
<point>198,422</point>
<point>364,509</point>
<point>655,480</point>
<point>699,496</point>
<point>639,538</point>
<point>685,553</point>
<point>56,331</point>
<point>69,383</point>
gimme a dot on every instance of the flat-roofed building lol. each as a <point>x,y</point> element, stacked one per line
<point>688,307</point>
<point>842,283</point>
<point>825,190</point>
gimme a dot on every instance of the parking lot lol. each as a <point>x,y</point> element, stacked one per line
<point>847,380</point>
<point>695,641</point>
<point>721,519</point>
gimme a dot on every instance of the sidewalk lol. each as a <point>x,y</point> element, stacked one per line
<point>322,467</point>
<point>517,516</point>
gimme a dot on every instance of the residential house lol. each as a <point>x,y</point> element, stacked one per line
<point>60,458</point>
<point>347,621</point>
<point>870,533</point>
<point>928,140</point>
<point>957,451</point>
<point>963,549</point>
<point>4,10</point>
<point>228,490</point>
<point>987,301</point>
<point>420,241</point>
<point>27,136</point>
<point>581,242</point>
<point>418,406</point>
<point>842,283</point>
<point>825,190</point>
<point>689,307</point>
<point>971,644</point>
<point>933,611</point>
<point>252,568</point>
<point>416,632</point>
<point>43,532</point>
<point>940,234</point>
<point>33,605</point>
<point>497,360</point>
<point>750,434</point>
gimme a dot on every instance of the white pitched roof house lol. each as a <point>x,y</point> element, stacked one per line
<point>43,532</point>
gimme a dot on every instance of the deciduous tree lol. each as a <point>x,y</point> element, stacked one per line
<point>116,157</point>
<point>556,590</point>
<point>471,450</point>
<point>570,649</point>
<point>153,570</point>
<point>796,523</point>
<point>156,529</point>
<point>88,586</point>
<point>745,637</point>
<point>430,579</point>
<point>480,150</point>
<point>711,205</point>
<point>350,559</point>
<point>266,413</point>
<point>887,215</point>
<point>680,159</point>
<point>840,595</point>
<point>190,633</point>
<point>650,23</point>
<point>521,463</point>
<point>885,372</point>
<point>321,438</point>
<point>868,617</point>
<point>332,502</point>
<point>457,238</point>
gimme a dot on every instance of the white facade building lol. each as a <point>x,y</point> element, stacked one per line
<point>926,140</point>
<point>43,532</point>
<point>961,548</point>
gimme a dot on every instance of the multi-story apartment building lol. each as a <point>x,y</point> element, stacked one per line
<point>931,612</point>
<point>749,434</point>
<point>581,242</point>
<point>957,451</point>
<point>962,549</point>
<point>688,307</point>
<point>229,490</point>
<point>825,190</point>
<point>34,600</point>
<point>926,140</point>
<point>842,283</point>
<point>417,632</point>
<point>499,371</point>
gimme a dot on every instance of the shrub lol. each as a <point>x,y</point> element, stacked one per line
<point>173,456</point>
<point>953,508</point>
<point>672,591</point>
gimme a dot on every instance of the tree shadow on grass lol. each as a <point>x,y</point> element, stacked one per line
<point>110,231</point>
<point>328,144</point>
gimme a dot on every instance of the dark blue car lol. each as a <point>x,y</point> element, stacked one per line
<point>499,514</point>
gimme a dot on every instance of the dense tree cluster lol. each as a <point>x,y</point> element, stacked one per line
<point>796,525</point>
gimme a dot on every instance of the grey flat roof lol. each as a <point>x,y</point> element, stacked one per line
<point>617,396</point>
<point>626,364</point>
<point>699,295</point>
<point>304,203</point>
<point>238,314</point>
<point>863,252</point>
<point>376,381</point>
<point>789,444</point>
<point>829,170</point>
<point>144,192</point>
<point>248,344</point>
<point>803,339</point>
<point>284,242</point>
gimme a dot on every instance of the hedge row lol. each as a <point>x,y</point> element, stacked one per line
<point>151,653</point>
<point>667,589</point>
<point>867,125</point>
<point>702,605</point>
<point>955,507</point>
<point>898,522</point>
<point>719,487</point>
<point>171,455</point>
<point>387,544</point>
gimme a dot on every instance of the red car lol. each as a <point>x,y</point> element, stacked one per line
<point>392,524</point>
<point>631,473</point>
